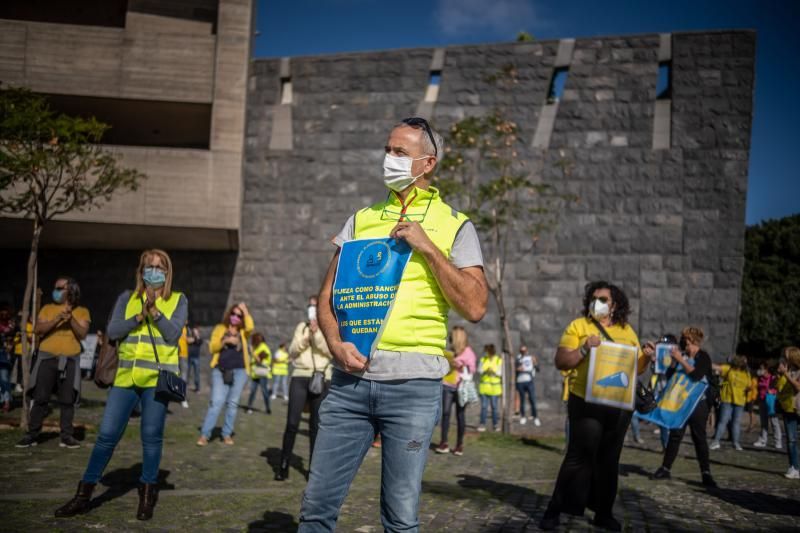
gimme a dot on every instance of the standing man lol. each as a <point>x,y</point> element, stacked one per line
<point>397,392</point>
<point>526,373</point>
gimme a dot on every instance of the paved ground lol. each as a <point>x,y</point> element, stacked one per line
<point>500,484</point>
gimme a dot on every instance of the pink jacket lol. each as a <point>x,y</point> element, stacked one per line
<point>468,358</point>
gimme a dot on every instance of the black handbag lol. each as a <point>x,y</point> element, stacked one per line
<point>169,387</point>
<point>317,382</point>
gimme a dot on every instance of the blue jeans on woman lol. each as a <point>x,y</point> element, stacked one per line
<point>280,386</point>
<point>728,411</point>
<point>790,421</point>
<point>404,413</point>
<point>119,405</point>
<point>527,388</point>
<point>485,401</point>
<point>224,395</point>
<point>263,384</point>
<point>194,371</point>
<point>5,383</point>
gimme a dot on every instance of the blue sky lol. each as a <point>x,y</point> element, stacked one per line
<point>313,27</point>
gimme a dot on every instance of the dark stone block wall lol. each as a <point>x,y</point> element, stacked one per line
<point>667,225</point>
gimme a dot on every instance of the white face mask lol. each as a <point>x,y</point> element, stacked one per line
<point>397,172</point>
<point>599,310</point>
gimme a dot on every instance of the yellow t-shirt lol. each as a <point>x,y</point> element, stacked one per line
<point>576,334</point>
<point>183,344</point>
<point>451,378</point>
<point>786,394</point>
<point>734,385</point>
<point>61,340</point>
<point>752,392</point>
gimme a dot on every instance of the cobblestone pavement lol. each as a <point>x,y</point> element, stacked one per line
<point>502,483</point>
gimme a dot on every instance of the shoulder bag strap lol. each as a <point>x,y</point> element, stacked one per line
<point>150,334</point>
<point>601,328</point>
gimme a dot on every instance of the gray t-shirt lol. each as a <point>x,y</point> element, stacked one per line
<point>386,365</point>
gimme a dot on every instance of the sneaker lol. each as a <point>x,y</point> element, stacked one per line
<point>760,443</point>
<point>537,422</point>
<point>498,429</point>
<point>523,420</point>
<point>228,440</point>
<point>708,481</point>
<point>185,404</point>
<point>202,441</point>
<point>792,473</point>
<point>607,522</point>
<point>481,429</point>
<point>738,447</point>
<point>778,446</point>
<point>249,411</point>
<point>459,450</point>
<point>26,442</point>
<point>714,446</point>
<point>69,442</point>
<point>18,388</point>
<point>662,473</point>
<point>638,439</point>
<point>443,448</point>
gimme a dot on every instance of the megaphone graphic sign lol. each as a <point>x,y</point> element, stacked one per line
<point>620,379</point>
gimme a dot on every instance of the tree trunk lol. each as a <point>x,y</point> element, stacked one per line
<point>26,310</point>
<point>508,366</point>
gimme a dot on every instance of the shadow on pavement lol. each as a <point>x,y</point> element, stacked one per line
<point>625,470</point>
<point>477,489</point>
<point>541,445</point>
<point>273,521</point>
<point>757,502</point>
<point>123,480</point>
<point>273,456</point>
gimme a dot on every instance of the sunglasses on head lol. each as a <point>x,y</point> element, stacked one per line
<point>416,122</point>
<point>237,314</point>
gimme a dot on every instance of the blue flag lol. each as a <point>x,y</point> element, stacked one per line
<point>367,278</point>
<point>677,401</point>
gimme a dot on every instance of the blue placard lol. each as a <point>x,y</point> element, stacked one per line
<point>677,401</point>
<point>367,278</point>
<point>663,358</point>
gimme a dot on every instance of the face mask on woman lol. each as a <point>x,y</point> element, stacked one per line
<point>599,309</point>
<point>235,320</point>
<point>154,277</point>
<point>58,295</point>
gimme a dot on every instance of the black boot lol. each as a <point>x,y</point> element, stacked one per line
<point>79,503</point>
<point>148,496</point>
<point>283,471</point>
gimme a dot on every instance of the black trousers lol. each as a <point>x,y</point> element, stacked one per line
<point>449,399</point>
<point>47,379</point>
<point>298,396</point>
<point>588,475</point>
<point>697,424</point>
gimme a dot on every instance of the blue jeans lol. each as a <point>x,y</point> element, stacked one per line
<point>5,384</point>
<point>280,386</point>
<point>119,405</point>
<point>224,395</point>
<point>194,370</point>
<point>485,401</point>
<point>263,384</point>
<point>405,413</point>
<point>527,388</point>
<point>728,411</point>
<point>790,421</point>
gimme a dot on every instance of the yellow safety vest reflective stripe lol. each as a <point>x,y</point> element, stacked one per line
<point>137,362</point>
<point>418,318</point>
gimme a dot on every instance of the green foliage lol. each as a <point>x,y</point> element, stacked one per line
<point>50,163</point>
<point>524,37</point>
<point>770,316</point>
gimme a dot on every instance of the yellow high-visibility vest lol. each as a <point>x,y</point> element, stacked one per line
<point>491,368</point>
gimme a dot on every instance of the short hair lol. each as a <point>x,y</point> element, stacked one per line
<point>622,308</point>
<point>427,144</point>
<point>694,335</point>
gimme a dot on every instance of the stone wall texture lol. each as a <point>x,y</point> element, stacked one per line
<point>666,225</point>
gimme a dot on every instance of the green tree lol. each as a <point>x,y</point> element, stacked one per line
<point>484,174</point>
<point>524,37</point>
<point>51,164</point>
<point>770,315</point>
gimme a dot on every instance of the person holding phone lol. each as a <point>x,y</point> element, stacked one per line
<point>61,326</point>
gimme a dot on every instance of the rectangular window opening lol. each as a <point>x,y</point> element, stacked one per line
<point>664,83</point>
<point>286,91</point>
<point>109,13</point>
<point>557,83</point>
<point>142,122</point>
<point>432,92</point>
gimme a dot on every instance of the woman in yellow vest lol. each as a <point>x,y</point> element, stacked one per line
<point>152,314</point>
<point>733,395</point>
<point>260,372</point>
<point>789,404</point>
<point>230,366</point>
<point>280,373</point>
<point>490,386</point>
<point>589,473</point>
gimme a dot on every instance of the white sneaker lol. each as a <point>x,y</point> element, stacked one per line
<point>272,397</point>
<point>738,447</point>
<point>249,411</point>
<point>523,420</point>
<point>481,429</point>
<point>638,440</point>
<point>714,446</point>
<point>498,429</point>
<point>778,446</point>
<point>185,404</point>
<point>792,473</point>
<point>760,443</point>
<point>18,388</point>
<point>537,422</point>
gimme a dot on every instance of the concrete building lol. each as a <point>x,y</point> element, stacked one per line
<point>655,130</point>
